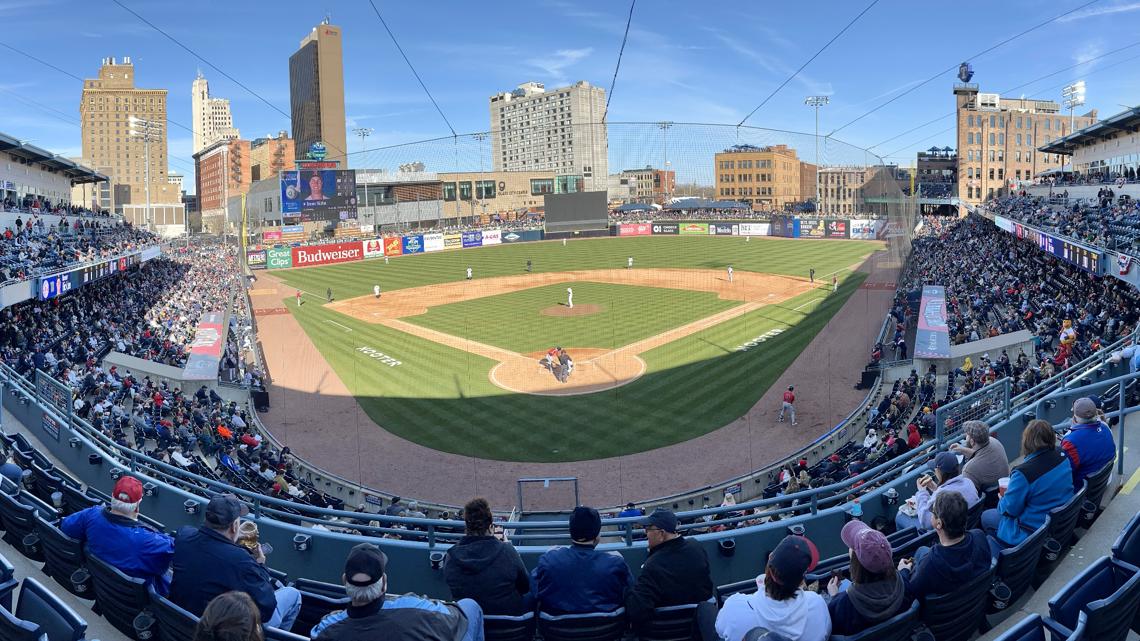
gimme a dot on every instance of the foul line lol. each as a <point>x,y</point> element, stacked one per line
<point>814,300</point>
<point>347,329</point>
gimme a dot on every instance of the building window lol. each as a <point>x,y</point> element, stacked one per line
<point>992,138</point>
<point>1018,140</point>
<point>1001,139</point>
<point>970,121</point>
<point>541,186</point>
<point>1019,122</point>
<point>465,190</point>
<point>1028,140</point>
<point>969,138</point>
<point>1048,124</point>
<point>484,189</point>
<point>449,191</point>
<point>993,122</point>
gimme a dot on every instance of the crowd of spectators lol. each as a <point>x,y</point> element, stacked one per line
<point>1106,222</point>
<point>46,206</point>
<point>31,247</point>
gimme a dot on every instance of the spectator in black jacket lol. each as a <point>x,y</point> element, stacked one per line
<point>958,557</point>
<point>675,573</point>
<point>485,569</point>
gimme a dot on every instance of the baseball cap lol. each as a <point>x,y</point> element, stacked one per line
<point>794,556</point>
<point>1084,409</point>
<point>128,489</point>
<point>224,509</point>
<point>364,559</point>
<point>585,524</point>
<point>947,462</point>
<point>870,546</point>
<point>662,519</point>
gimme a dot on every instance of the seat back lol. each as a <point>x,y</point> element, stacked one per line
<point>896,628</point>
<point>672,623</point>
<point>1031,628</point>
<point>277,634</point>
<point>63,555</point>
<point>331,590</point>
<point>17,518</point>
<point>500,627</point>
<point>928,539</point>
<point>1127,545</point>
<point>593,626</point>
<point>8,583</point>
<point>1105,597</point>
<point>747,586</point>
<point>119,597</point>
<point>1016,567</point>
<point>315,606</point>
<point>1094,493</point>
<point>54,617</point>
<point>1062,522</point>
<point>76,500</point>
<point>974,515</point>
<point>12,628</point>
<point>174,623</point>
<point>956,615</point>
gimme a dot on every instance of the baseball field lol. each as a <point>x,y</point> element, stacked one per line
<point>662,353</point>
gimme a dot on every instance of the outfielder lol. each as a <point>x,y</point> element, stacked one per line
<point>730,273</point>
<point>376,290</point>
<point>570,297</point>
<point>468,273</point>
<point>789,404</point>
<point>629,263</point>
<point>298,298</point>
<point>385,260</point>
<point>811,274</point>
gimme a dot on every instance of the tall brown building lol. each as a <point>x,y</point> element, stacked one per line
<point>808,173</point>
<point>998,139</point>
<point>316,93</point>
<point>270,156</point>
<point>765,177</point>
<point>841,190</point>
<point>105,109</point>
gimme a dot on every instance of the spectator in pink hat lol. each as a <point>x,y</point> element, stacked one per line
<point>875,592</point>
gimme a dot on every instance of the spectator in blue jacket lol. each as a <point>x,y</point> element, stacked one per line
<point>1089,443</point>
<point>579,579</point>
<point>114,534</point>
<point>208,562</point>
<point>1043,481</point>
<point>959,555</point>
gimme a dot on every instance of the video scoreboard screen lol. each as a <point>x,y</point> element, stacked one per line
<point>318,195</point>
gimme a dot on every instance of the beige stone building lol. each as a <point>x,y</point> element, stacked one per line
<point>316,93</point>
<point>841,190</point>
<point>211,116</point>
<point>998,140</point>
<point>106,106</point>
<point>478,193</point>
<point>808,173</point>
<point>765,177</point>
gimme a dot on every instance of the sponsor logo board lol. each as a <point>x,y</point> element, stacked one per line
<point>279,258</point>
<point>665,228</point>
<point>471,239</point>
<point>492,236</point>
<point>255,259</point>
<point>328,254</point>
<point>835,229</point>
<point>271,235</point>
<point>862,229</point>
<point>293,229</point>
<point>933,337</point>
<point>393,246</point>
<point>691,229</point>
<point>452,241</point>
<point>373,247</point>
<point>511,237</point>
<point>413,244</point>
<point>723,229</point>
<point>433,242</point>
<point>635,229</point>
<point>755,229</point>
<point>379,356</point>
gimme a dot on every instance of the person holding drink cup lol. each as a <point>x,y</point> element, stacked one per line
<point>1043,481</point>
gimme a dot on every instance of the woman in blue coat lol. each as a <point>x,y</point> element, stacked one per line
<point>1043,481</point>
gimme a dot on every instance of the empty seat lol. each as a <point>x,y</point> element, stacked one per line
<point>1062,522</point>
<point>1103,599</point>
<point>118,597</point>
<point>593,626</point>
<point>500,627</point>
<point>672,623</point>
<point>897,628</point>
<point>956,615</point>
<point>63,555</point>
<point>12,628</point>
<point>8,583</point>
<point>17,516</point>
<point>747,586</point>
<point>1015,569</point>
<point>1127,545</point>
<point>173,623</point>
<point>54,617</point>
<point>1034,628</point>
<point>1094,493</point>
<point>76,500</point>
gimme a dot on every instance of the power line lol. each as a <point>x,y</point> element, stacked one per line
<point>809,60</point>
<point>410,66</point>
<point>617,67</point>
<point>953,67</point>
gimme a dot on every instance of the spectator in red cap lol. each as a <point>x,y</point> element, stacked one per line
<point>875,592</point>
<point>113,533</point>
<point>781,605</point>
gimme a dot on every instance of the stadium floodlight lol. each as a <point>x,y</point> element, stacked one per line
<point>1074,96</point>
<point>817,102</point>
<point>147,130</point>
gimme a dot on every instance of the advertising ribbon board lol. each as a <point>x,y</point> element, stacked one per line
<point>933,337</point>
<point>452,241</point>
<point>694,229</point>
<point>328,254</point>
<point>279,258</point>
<point>723,229</point>
<point>492,236</point>
<point>635,229</point>
<point>293,229</point>
<point>472,238</point>
<point>835,228</point>
<point>393,246</point>
<point>413,244</point>
<point>433,242</point>
<point>862,229</point>
<point>754,229</point>
<point>373,248</point>
<point>206,350</point>
<point>269,236</point>
<point>255,259</point>
<point>666,228</point>
<point>813,228</point>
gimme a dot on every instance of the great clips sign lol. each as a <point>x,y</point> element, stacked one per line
<point>327,254</point>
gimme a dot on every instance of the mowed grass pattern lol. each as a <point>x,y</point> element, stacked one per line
<point>441,397</point>
<point>628,313</point>
<point>784,256</point>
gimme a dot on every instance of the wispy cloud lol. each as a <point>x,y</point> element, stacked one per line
<point>556,64</point>
<point>1102,11</point>
<point>770,63</point>
<point>1088,51</point>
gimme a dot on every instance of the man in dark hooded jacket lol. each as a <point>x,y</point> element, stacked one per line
<point>485,569</point>
<point>959,556</point>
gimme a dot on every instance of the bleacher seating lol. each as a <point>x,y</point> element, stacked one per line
<point>1103,600</point>
<point>1015,569</point>
<point>897,628</point>
<point>957,615</point>
<point>598,626</point>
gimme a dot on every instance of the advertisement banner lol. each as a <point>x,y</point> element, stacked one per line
<point>694,229</point>
<point>270,236</point>
<point>521,236</point>
<point>55,393</point>
<point>933,337</point>
<point>51,426</point>
<point>328,254</point>
<point>1003,223</point>
<point>279,258</point>
<point>472,238</point>
<point>206,350</point>
<point>862,229</point>
<point>293,229</point>
<point>373,248</point>
<point>393,246</point>
<point>492,236</point>
<point>452,241</point>
<point>148,253</point>
<point>635,229</point>
<point>433,242</point>
<point>413,244</point>
<point>755,229</point>
<point>836,229</point>
<point>813,228</point>
<point>666,228</point>
<point>255,259</point>
<point>723,229</point>
<point>785,226</point>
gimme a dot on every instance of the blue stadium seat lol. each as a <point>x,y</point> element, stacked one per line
<point>955,616</point>
<point>54,617</point>
<point>1127,545</point>
<point>314,607</point>
<point>12,628</point>
<point>500,627</point>
<point>8,583</point>
<point>1062,522</point>
<point>593,626</point>
<point>173,623</point>
<point>1103,599</point>
<point>1094,493</point>
<point>63,555</point>
<point>118,597</point>
<point>1033,628</point>
<point>1015,570</point>
<point>747,586</point>
<point>897,628</point>
<point>17,516</point>
<point>673,623</point>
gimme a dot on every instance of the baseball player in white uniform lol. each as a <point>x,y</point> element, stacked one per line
<point>570,297</point>
<point>376,290</point>
<point>629,263</point>
<point>730,273</point>
<point>468,273</point>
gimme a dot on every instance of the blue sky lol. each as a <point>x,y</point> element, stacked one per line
<point>695,62</point>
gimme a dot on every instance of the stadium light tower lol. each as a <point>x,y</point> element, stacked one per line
<point>363,132</point>
<point>1074,96</point>
<point>147,130</point>
<point>817,102</point>
<point>664,126</point>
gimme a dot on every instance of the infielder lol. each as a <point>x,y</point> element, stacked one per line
<point>468,273</point>
<point>298,298</point>
<point>789,404</point>
<point>834,283</point>
<point>629,263</point>
<point>570,297</point>
<point>730,273</point>
<point>811,274</point>
<point>376,290</point>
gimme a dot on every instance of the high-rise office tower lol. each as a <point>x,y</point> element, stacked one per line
<point>211,116</point>
<point>316,92</point>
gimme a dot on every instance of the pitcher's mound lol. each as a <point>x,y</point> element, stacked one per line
<point>595,370</point>
<point>584,309</point>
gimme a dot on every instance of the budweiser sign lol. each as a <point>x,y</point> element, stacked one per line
<point>327,254</point>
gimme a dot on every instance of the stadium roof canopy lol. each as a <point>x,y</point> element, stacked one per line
<point>635,207</point>
<point>1127,121</point>
<point>33,154</point>
<point>705,203</point>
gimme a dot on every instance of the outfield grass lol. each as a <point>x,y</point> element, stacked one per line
<point>442,398</point>
<point>629,313</point>
<point>791,257</point>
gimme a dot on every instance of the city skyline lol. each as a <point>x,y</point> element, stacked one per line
<point>680,64</point>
